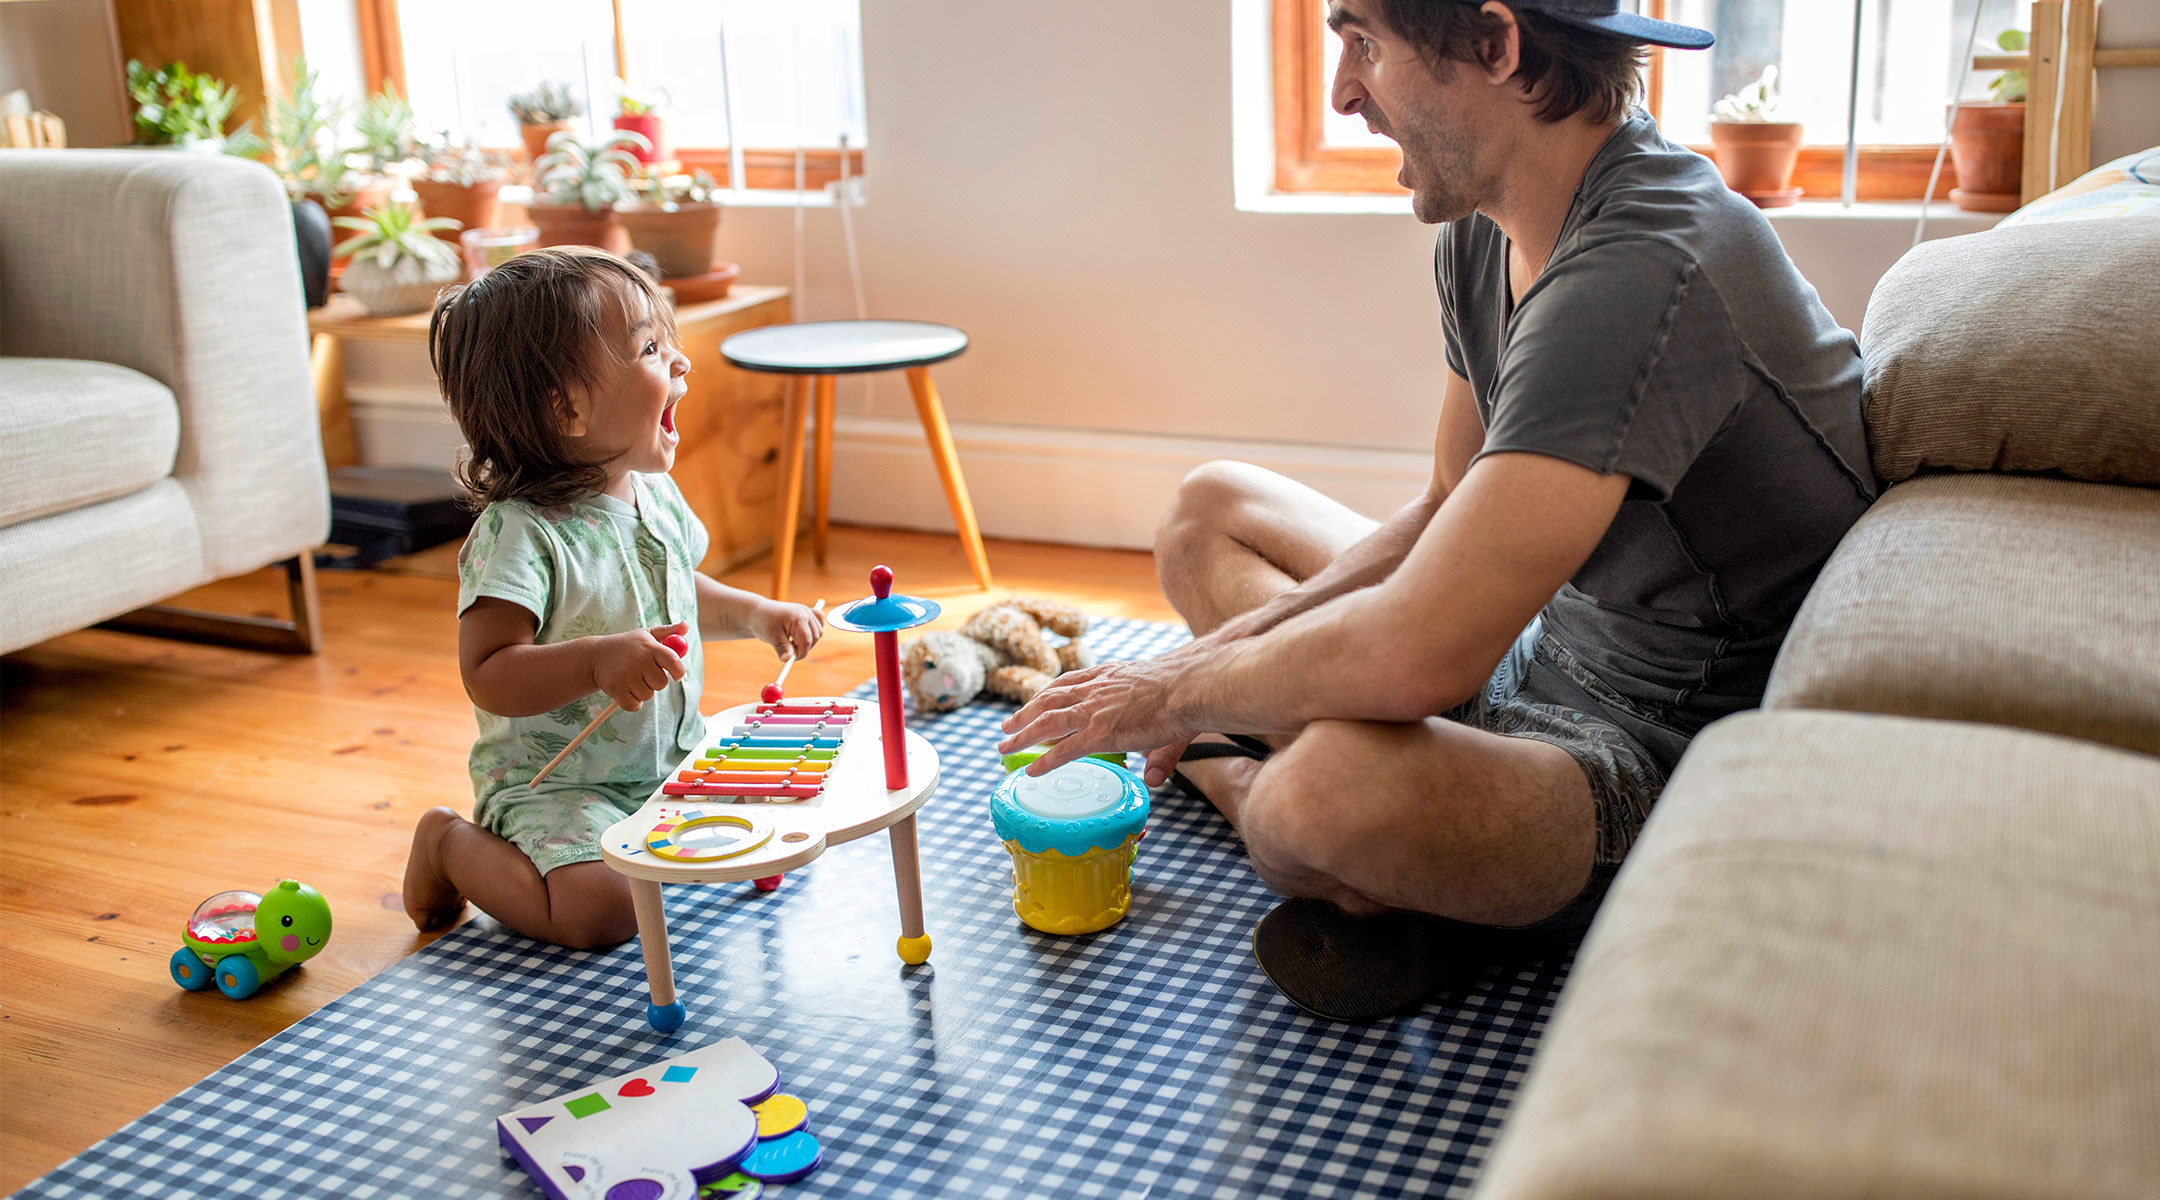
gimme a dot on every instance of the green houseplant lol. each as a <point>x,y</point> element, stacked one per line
<point>384,125</point>
<point>178,107</point>
<point>677,222</point>
<point>397,267</point>
<point>461,181</point>
<point>1755,147</point>
<point>1987,139</point>
<point>541,114</point>
<point>582,185</point>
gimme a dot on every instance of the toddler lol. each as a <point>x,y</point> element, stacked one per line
<point>562,369</point>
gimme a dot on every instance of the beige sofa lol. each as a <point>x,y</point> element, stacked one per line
<point>157,421</point>
<point>1898,933</point>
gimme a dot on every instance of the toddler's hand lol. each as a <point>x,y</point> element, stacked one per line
<point>631,667</point>
<point>790,629</point>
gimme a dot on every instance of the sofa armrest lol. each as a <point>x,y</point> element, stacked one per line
<point>181,266</point>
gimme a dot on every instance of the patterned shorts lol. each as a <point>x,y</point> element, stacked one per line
<point>1541,691</point>
<point>561,823</point>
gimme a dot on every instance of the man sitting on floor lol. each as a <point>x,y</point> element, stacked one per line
<point>1649,442</point>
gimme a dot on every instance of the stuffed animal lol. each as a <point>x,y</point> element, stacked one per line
<point>1000,650</point>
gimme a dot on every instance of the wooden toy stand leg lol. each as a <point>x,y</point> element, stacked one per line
<point>664,1012</point>
<point>907,877</point>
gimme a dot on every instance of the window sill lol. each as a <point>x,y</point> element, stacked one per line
<point>1942,215</point>
<point>521,194</point>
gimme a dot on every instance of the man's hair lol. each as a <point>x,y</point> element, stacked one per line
<point>508,348</point>
<point>1567,69</point>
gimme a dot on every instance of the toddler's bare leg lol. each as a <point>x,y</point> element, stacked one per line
<point>582,906</point>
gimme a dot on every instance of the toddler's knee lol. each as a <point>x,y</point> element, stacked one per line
<point>595,928</point>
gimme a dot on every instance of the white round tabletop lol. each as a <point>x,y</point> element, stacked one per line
<point>842,347</point>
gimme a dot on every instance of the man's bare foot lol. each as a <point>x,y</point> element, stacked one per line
<point>430,900</point>
<point>1224,781</point>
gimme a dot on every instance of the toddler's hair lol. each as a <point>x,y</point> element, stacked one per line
<point>510,345</point>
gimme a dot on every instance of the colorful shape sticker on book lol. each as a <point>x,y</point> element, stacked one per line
<point>673,1129</point>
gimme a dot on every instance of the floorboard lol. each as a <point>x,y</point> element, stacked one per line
<point>139,776</point>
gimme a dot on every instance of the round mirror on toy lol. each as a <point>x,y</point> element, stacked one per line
<point>1073,834</point>
<point>239,940</point>
<point>705,835</point>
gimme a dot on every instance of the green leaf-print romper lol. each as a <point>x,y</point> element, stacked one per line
<point>594,566</point>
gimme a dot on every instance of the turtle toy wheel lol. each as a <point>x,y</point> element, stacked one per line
<point>189,970</point>
<point>237,977</point>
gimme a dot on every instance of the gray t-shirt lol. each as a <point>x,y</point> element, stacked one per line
<point>1670,339</point>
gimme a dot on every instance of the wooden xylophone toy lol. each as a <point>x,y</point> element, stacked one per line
<point>780,752</point>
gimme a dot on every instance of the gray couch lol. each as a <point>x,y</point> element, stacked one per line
<point>1898,933</point>
<point>157,421</point>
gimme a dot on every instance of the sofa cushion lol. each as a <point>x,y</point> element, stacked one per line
<point>75,432</point>
<point>1864,956</point>
<point>2025,349</point>
<point>2009,599</point>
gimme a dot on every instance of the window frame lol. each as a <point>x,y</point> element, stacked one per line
<point>1305,163</point>
<point>382,65</point>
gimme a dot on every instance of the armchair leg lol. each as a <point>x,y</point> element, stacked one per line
<point>301,635</point>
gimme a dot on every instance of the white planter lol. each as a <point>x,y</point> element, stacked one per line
<point>407,286</point>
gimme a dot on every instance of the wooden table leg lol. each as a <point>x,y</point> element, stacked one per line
<point>663,1012</point>
<point>939,436</point>
<point>326,366</point>
<point>821,469</point>
<point>907,876</point>
<point>791,465</point>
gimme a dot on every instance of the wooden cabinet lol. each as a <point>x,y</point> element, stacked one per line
<point>728,465</point>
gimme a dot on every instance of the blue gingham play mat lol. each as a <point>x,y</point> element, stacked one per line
<point>1152,1059</point>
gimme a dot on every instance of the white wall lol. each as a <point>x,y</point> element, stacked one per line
<point>66,55</point>
<point>1057,181</point>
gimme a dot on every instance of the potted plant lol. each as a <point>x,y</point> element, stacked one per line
<point>582,185</point>
<point>639,113</point>
<point>384,126</point>
<point>1987,139</point>
<point>461,181</point>
<point>541,114</point>
<point>396,266</point>
<point>178,107</point>
<point>676,222</point>
<point>1755,148</point>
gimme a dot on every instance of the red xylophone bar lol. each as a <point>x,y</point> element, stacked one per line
<point>786,792</point>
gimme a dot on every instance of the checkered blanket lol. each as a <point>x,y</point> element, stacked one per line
<point>1152,1059</point>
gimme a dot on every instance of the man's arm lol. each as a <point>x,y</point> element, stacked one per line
<point>1515,529</point>
<point>1461,434</point>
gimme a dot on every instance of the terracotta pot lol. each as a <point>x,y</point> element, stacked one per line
<point>536,137</point>
<point>374,195</point>
<point>576,225</point>
<point>653,128</point>
<point>1756,158</point>
<point>472,206</point>
<point>681,238</point>
<point>1987,143</point>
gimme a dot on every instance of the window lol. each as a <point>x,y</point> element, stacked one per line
<point>793,72</point>
<point>1909,58</point>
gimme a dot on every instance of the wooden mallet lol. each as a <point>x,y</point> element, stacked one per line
<point>674,642</point>
<point>772,691</point>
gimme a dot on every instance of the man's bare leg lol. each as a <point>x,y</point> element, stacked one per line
<point>1236,535</point>
<point>1431,816</point>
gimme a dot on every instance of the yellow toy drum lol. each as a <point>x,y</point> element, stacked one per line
<point>1073,834</point>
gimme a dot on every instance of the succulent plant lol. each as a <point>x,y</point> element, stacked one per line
<point>1755,104</point>
<point>384,126</point>
<point>301,147</point>
<point>176,107</point>
<point>546,104</point>
<point>596,176</point>
<point>464,163</point>
<point>2009,87</point>
<point>391,232</point>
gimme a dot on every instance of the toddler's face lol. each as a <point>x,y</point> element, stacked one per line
<point>627,415</point>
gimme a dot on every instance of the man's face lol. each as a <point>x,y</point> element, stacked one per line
<point>1431,114</point>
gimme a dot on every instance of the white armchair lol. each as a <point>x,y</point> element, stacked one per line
<point>157,422</point>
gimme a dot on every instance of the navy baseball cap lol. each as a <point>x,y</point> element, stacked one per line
<point>1605,17</point>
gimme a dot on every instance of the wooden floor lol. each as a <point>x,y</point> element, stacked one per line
<point>139,776</point>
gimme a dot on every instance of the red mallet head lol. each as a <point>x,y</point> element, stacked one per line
<point>881,581</point>
<point>676,642</point>
<point>771,694</point>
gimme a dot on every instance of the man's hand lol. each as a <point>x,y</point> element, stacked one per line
<point>790,629</point>
<point>632,667</point>
<point>1114,706</point>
